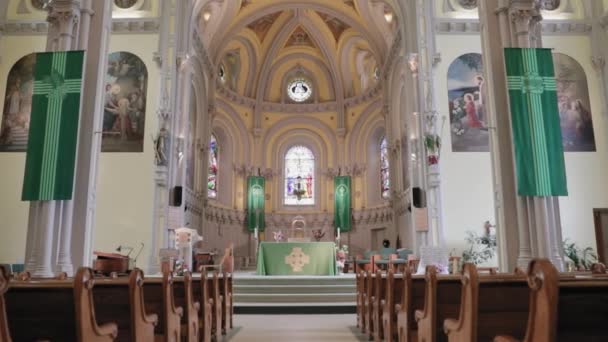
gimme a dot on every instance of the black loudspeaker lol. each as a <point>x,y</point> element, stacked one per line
<point>418,198</point>
<point>175,196</point>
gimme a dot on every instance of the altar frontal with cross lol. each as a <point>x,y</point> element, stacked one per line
<point>51,153</point>
<point>539,153</point>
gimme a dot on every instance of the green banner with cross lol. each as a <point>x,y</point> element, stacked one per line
<point>342,202</point>
<point>255,203</point>
<point>51,147</point>
<point>537,136</point>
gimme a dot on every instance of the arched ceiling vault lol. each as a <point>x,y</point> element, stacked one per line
<point>253,39</point>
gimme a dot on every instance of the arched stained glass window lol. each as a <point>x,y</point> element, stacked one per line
<point>385,183</point>
<point>213,168</point>
<point>299,176</point>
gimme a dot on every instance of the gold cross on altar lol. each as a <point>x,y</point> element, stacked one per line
<point>297,259</point>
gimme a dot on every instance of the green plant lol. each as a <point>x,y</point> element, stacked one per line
<point>481,248</point>
<point>581,257</point>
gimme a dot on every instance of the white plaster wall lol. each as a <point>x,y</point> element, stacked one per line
<point>466,183</point>
<point>586,171</point>
<point>125,189</point>
<point>13,212</point>
<point>467,177</point>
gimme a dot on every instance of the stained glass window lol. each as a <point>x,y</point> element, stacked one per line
<point>299,90</point>
<point>385,183</point>
<point>299,176</point>
<point>213,168</point>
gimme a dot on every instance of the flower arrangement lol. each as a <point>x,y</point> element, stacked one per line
<point>341,255</point>
<point>318,234</point>
<point>481,247</point>
<point>278,236</point>
<point>180,267</point>
<point>432,142</point>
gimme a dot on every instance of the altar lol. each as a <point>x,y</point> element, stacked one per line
<point>296,258</point>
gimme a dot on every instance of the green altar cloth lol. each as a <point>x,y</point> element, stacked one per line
<point>297,258</point>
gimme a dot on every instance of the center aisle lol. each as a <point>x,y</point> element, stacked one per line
<point>294,328</point>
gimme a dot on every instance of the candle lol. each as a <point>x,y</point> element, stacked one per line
<point>338,233</point>
<point>255,233</point>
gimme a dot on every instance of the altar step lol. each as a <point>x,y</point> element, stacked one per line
<point>298,295</point>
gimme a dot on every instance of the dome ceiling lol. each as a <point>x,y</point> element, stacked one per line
<point>262,45</point>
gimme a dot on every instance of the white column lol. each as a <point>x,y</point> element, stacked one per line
<point>3,10</point>
<point>599,58</point>
<point>527,227</point>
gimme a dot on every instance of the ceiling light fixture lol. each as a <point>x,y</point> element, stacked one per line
<point>206,15</point>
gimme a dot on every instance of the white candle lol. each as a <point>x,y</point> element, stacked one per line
<point>338,233</point>
<point>255,233</point>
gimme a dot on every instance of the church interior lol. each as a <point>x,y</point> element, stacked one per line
<point>411,170</point>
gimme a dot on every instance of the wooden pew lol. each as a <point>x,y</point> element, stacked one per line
<point>5,335</point>
<point>489,306</point>
<point>542,318</point>
<point>368,304</point>
<point>393,294</point>
<point>122,300</point>
<point>161,300</point>
<point>227,308</point>
<point>184,297</point>
<point>441,301</point>
<point>201,292</point>
<point>412,299</point>
<point>216,311</point>
<point>379,295</point>
<point>55,310</point>
<point>360,282</point>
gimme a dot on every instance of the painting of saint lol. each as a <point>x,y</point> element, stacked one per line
<point>468,118</point>
<point>125,104</point>
<point>574,105</point>
<point>17,107</point>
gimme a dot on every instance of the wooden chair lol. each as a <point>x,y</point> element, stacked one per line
<point>5,335</point>
<point>393,293</point>
<point>441,301</point>
<point>542,319</point>
<point>205,319</point>
<point>378,298</point>
<point>412,299</point>
<point>489,306</point>
<point>191,327</point>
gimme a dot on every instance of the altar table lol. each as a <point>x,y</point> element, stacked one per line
<point>296,258</point>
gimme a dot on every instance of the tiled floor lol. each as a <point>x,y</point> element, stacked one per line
<point>294,328</point>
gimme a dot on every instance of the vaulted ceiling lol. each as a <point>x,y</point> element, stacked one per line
<point>335,44</point>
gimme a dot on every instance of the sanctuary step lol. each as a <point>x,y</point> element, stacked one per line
<point>254,294</point>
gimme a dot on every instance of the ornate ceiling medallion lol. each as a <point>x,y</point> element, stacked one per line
<point>468,4</point>
<point>125,4</point>
<point>299,90</point>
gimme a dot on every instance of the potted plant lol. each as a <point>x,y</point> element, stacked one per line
<point>580,259</point>
<point>318,234</point>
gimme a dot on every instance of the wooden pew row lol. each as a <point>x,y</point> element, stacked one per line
<point>4,281</point>
<point>55,310</point>
<point>489,306</point>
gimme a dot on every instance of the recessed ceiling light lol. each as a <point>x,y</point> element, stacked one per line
<point>388,16</point>
<point>206,15</point>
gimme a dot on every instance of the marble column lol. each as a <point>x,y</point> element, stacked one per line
<point>3,13</point>
<point>599,58</point>
<point>527,227</point>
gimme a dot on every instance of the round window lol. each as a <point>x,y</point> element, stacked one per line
<point>299,90</point>
<point>124,4</point>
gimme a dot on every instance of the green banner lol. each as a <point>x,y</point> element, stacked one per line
<point>342,217</point>
<point>539,154</point>
<point>255,203</point>
<point>51,147</point>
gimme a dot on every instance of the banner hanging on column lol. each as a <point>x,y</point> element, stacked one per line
<point>255,203</point>
<point>342,216</point>
<point>537,136</point>
<point>51,147</point>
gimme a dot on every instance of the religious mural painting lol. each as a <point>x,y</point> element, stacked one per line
<point>468,116</point>
<point>125,103</point>
<point>574,105</point>
<point>299,176</point>
<point>213,168</point>
<point>384,170</point>
<point>17,107</point>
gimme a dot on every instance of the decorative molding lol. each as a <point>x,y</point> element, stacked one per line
<point>549,27</point>
<point>329,106</point>
<point>119,26</point>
